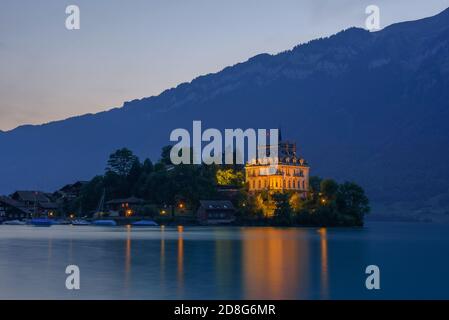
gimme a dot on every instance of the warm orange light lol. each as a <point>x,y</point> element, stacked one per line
<point>163,212</point>
<point>181,205</point>
<point>129,213</point>
<point>50,214</point>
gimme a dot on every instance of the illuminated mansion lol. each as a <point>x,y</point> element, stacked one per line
<point>290,174</point>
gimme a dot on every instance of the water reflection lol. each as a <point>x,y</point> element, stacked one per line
<point>225,257</point>
<point>162,257</point>
<point>275,263</point>
<point>127,256</point>
<point>224,263</point>
<point>180,259</point>
<point>50,249</point>
<point>324,264</point>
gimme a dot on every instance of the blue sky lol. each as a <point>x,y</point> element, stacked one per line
<point>133,49</point>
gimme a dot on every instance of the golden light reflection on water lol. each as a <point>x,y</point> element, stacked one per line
<point>324,264</point>
<point>275,263</point>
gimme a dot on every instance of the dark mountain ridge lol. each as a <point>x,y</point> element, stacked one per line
<point>369,107</point>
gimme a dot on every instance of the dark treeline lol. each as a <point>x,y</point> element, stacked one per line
<point>157,183</point>
<point>163,184</point>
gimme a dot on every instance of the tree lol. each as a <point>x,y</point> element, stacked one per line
<point>329,189</point>
<point>282,211</point>
<point>352,201</point>
<point>165,155</point>
<point>134,174</point>
<point>296,202</point>
<point>227,177</point>
<point>121,162</point>
<point>90,195</point>
<point>147,166</point>
<point>314,183</point>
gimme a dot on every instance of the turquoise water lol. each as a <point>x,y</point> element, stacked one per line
<point>225,263</point>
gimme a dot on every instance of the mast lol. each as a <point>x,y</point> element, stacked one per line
<point>101,203</point>
<point>35,204</point>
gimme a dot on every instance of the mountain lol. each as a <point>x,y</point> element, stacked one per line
<point>362,106</point>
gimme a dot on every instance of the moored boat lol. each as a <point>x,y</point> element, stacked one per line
<point>144,223</point>
<point>61,222</point>
<point>105,223</point>
<point>41,222</point>
<point>14,223</point>
<point>80,222</point>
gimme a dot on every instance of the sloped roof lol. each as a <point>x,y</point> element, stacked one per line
<point>48,205</point>
<point>13,203</point>
<point>31,196</point>
<point>76,185</point>
<point>217,204</point>
<point>127,200</point>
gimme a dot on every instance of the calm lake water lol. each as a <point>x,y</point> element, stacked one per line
<point>225,263</point>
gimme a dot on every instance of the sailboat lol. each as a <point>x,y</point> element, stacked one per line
<point>39,222</point>
<point>100,212</point>
<point>80,222</point>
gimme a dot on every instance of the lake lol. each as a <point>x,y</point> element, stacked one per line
<point>225,262</point>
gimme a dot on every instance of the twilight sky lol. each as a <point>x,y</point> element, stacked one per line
<point>133,49</point>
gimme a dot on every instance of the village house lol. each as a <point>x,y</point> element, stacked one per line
<point>71,191</point>
<point>11,209</point>
<point>36,202</point>
<point>228,192</point>
<point>125,207</point>
<point>216,212</point>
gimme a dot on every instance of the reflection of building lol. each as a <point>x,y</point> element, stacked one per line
<point>286,172</point>
<point>276,264</point>
<point>216,212</point>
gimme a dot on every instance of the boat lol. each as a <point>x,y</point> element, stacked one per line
<point>14,223</point>
<point>41,222</point>
<point>100,213</point>
<point>61,222</point>
<point>144,223</point>
<point>80,222</point>
<point>104,223</point>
